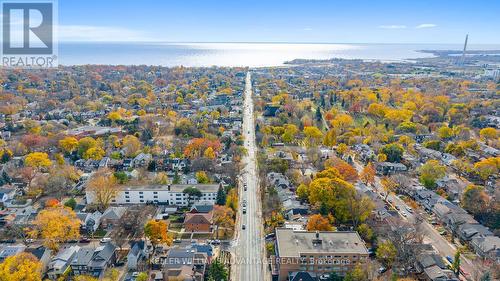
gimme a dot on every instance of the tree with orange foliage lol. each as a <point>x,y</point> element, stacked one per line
<point>368,174</point>
<point>52,202</point>
<point>198,146</point>
<point>318,222</point>
<point>347,171</point>
<point>157,232</point>
<point>223,218</point>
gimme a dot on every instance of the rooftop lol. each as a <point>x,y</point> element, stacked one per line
<point>175,187</point>
<point>293,243</point>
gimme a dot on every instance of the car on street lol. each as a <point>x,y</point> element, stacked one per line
<point>398,208</point>
<point>449,259</point>
<point>409,209</point>
<point>404,214</point>
<point>270,235</point>
<point>85,240</point>
<point>382,269</point>
<point>243,226</point>
<point>105,240</point>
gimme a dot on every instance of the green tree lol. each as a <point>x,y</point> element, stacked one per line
<point>121,177</point>
<point>357,274</point>
<point>192,193</point>
<point>221,196</point>
<point>71,203</point>
<point>386,253</point>
<point>456,262</point>
<point>393,151</point>
<point>430,172</point>
<point>217,271</point>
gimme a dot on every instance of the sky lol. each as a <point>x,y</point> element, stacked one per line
<point>306,21</point>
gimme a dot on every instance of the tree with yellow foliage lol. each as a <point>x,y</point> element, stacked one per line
<point>342,122</point>
<point>157,232</point>
<point>23,266</point>
<point>488,134</point>
<point>68,144</point>
<point>232,200</point>
<point>55,225</point>
<point>224,219</point>
<point>95,153</point>
<point>131,145</point>
<point>209,153</point>
<point>389,185</point>
<point>37,160</point>
<point>202,177</point>
<point>487,167</point>
<point>103,187</point>
<point>313,135</point>
<point>114,116</point>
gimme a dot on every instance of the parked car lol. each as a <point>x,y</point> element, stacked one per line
<point>84,240</point>
<point>243,226</point>
<point>105,240</point>
<point>270,235</point>
<point>449,259</point>
<point>409,209</point>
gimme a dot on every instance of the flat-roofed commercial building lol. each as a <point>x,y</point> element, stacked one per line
<point>162,194</point>
<point>318,253</point>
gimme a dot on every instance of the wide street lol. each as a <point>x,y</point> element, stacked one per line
<point>249,245</point>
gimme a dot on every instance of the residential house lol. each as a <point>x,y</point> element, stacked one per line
<point>89,221</point>
<point>60,264</point>
<point>487,247</point>
<point>184,264</point>
<point>42,254</point>
<point>202,207</point>
<point>136,254</point>
<point>388,168</point>
<point>198,222</point>
<point>7,194</point>
<point>141,160</point>
<point>430,266</point>
<point>94,261</point>
<point>112,215</point>
<point>10,250</point>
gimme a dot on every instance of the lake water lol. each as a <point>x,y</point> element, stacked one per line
<point>237,54</point>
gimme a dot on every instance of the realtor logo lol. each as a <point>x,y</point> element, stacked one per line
<point>28,34</point>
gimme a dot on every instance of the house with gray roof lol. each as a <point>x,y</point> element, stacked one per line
<point>60,264</point>
<point>487,247</point>
<point>93,261</point>
<point>136,254</point>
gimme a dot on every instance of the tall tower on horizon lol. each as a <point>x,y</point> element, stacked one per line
<point>465,48</point>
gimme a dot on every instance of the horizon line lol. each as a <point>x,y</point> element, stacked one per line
<point>267,42</point>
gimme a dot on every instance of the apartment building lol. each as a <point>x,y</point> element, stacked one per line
<point>316,253</point>
<point>161,194</point>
